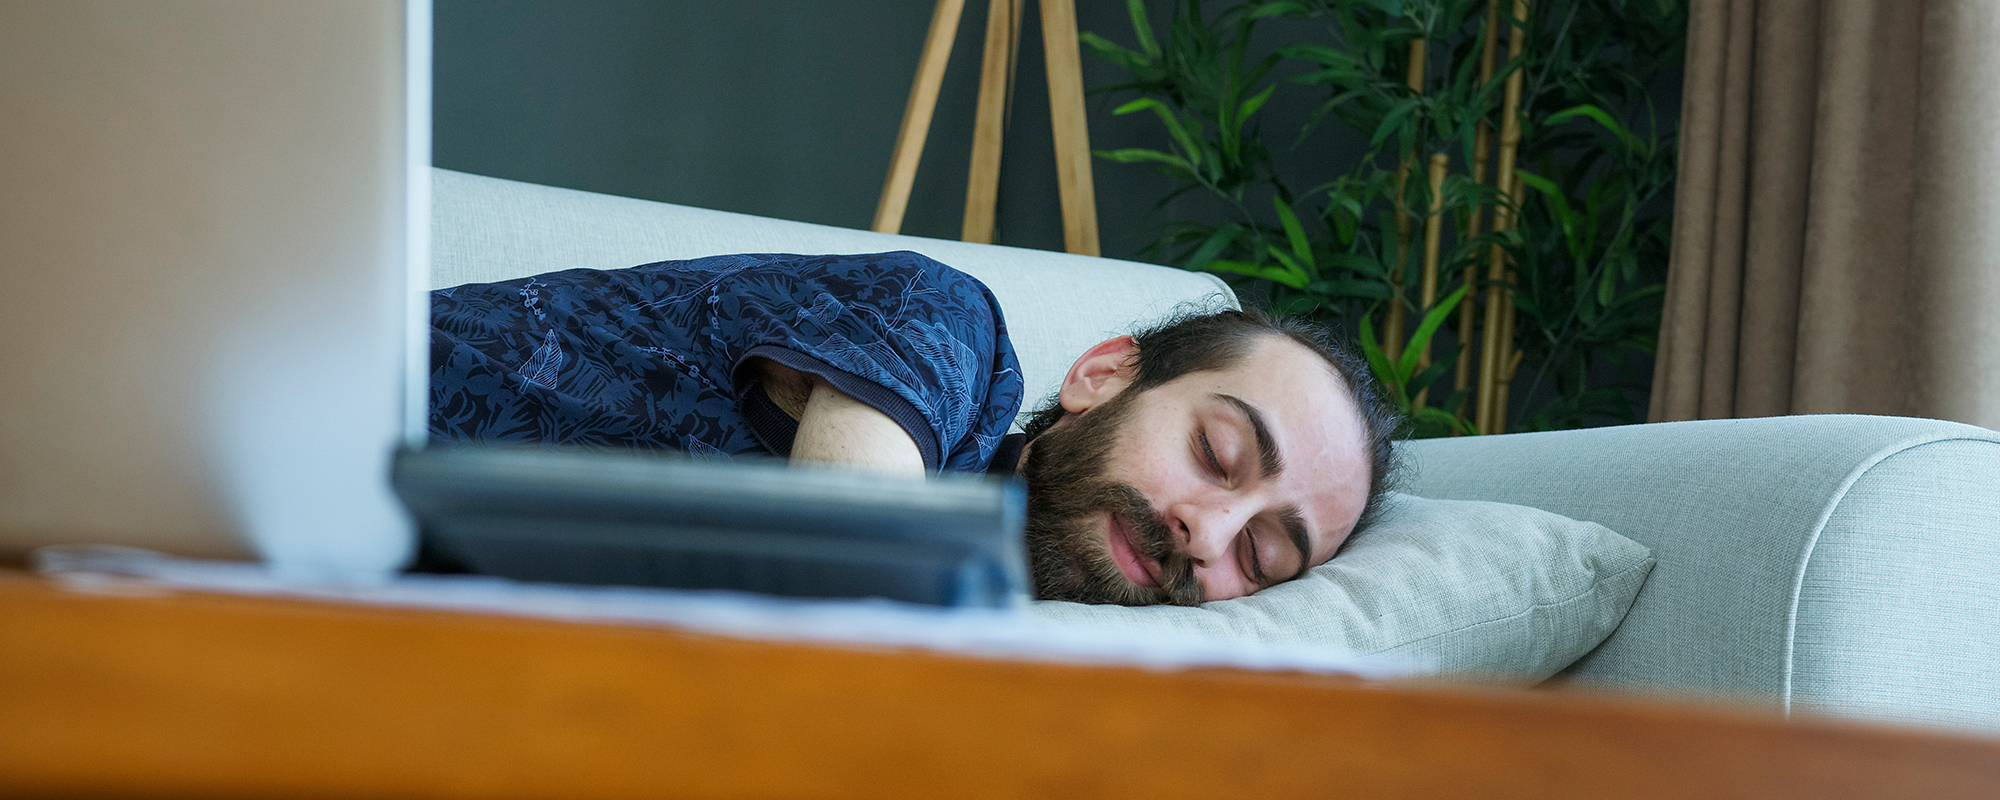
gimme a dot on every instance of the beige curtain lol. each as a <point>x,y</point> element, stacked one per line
<point>1836,243</point>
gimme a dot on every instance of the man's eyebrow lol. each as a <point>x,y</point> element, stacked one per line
<point>1271,461</point>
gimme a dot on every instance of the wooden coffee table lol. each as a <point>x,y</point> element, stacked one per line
<point>222,696</point>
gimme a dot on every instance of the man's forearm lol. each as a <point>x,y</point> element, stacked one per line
<point>836,429</point>
<point>839,430</point>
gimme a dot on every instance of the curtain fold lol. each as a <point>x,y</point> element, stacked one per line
<point>1836,243</point>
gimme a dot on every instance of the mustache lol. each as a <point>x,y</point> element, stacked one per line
<point>1068,488</point>
<point>1154,540</point>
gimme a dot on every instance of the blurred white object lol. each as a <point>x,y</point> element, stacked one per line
<point>875,623</point>
<point>208,281</point>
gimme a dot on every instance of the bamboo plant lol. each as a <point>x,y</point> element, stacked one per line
<point>1496,216</point>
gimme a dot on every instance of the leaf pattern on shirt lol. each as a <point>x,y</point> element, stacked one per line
<point>545,366</point>
<point>648,357</point>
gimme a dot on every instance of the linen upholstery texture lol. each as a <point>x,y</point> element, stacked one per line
<point>1886,544</point>
<point>1830,564</point>
<point>1481,589</point>
<point>1056,304</point>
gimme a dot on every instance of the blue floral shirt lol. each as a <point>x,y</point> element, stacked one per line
<point>655,356</point>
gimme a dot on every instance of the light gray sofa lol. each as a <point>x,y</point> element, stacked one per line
<point>1839,564</point>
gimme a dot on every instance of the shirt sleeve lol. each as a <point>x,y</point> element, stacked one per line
<point>655,356</point>
<point>919,341</point>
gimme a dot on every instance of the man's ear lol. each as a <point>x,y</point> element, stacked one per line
<point>1099,374</point>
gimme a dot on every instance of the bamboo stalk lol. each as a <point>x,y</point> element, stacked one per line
<point>1489,414</point>
<point>1434,230</point>
<point>1510,358</point>
<point>1433,241</point>
<point>1506,386</point>
<point>1394,321</point>
<point>1482,151</point>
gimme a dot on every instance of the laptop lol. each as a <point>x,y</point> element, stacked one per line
<point>210,214</point>
<point>215,222</point>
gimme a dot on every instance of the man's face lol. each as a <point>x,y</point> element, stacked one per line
<point>1210,486</point>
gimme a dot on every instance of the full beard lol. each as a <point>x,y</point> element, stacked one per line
<point>1068,491</point>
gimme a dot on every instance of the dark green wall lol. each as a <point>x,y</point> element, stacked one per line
<point>789,109</point>
<point>783,108</point>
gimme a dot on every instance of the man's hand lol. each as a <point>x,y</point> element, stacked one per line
<point>838,430</point>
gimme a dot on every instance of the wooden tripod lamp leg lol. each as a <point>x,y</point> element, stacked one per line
<point>996,72</point>
<point>1065,67</point>
<point>917,116</point>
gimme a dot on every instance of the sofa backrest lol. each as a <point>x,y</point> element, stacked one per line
<point>1056,305</point>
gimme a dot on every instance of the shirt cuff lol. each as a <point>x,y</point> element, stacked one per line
<point>777,434</point>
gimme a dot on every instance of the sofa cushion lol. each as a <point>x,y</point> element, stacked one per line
<point>1489,589</point>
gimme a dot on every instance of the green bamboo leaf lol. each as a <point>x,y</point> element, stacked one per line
<point>1173,164</point>
<point>1251,105</point>
<point>1593,208</point>
<point>1348,202</point>
<point>1587,314</point>
<point>1131,155</point>
<point>1379,361</point>
<point>1626,265</point>
<point>1263,67</point>
<point>1444,363</point>
<point>1559,201</point>
<point>1295,274</point>
<point>1357,262</point>
<point>1143,27</point>
<point>1345,226</point>
<point>1444,420</point>
<point>1641,295</point>
<point>1525,306</point>
<point>1373,290</point>
<point>1114,52</point>
<point>1393,8</point>
<point>1392,122</point>
<point>1428,328</point>
<point>1172,122</point>
<point>1297,305</point>
<point>1295,233</point>
<point>1265,271</point>
<point>1275,9</point>
<point>1633,144</point>
<point>1354,82</point>
<point>1215,244</point>
<point>1237,267</point>
<point>1322,55</point>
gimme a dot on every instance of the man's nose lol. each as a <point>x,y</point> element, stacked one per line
<point>1206,531</point>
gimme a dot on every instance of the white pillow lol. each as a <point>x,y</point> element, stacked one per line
<point>1486,589</point>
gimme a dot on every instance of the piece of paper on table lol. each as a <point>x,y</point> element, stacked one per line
<point>874,623</point>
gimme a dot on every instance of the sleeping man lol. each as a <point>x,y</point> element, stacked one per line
<point>1203,459</point>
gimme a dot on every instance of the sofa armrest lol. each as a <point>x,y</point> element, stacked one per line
<point>1831,564</point>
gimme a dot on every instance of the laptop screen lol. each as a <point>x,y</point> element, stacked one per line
<point>211,216</point>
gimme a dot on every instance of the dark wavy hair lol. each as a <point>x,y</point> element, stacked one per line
<point>1201,342</point>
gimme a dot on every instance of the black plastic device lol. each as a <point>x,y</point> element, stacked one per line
<point>589,516</point>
